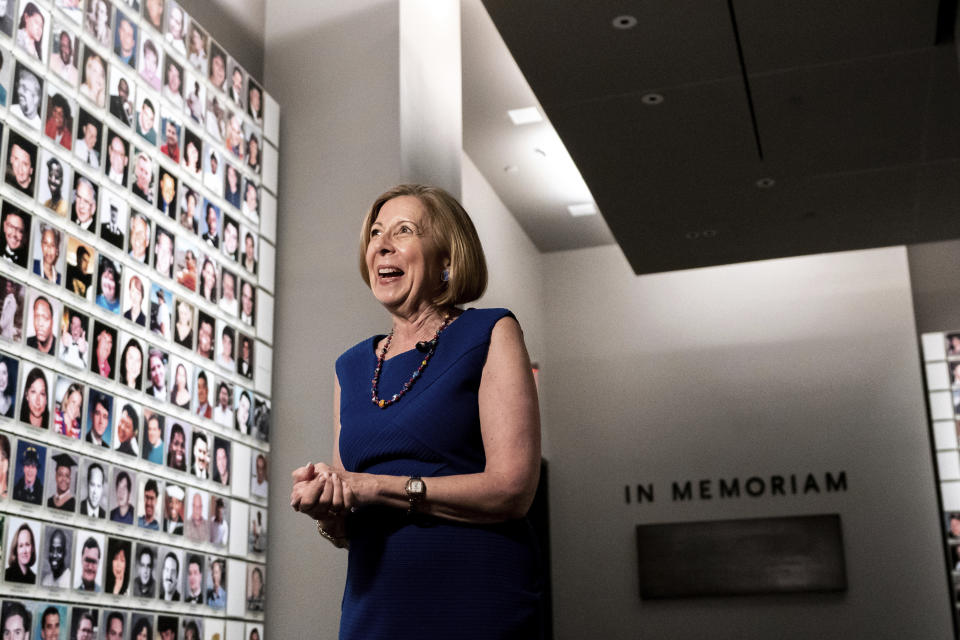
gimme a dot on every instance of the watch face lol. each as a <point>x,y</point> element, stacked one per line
<point>416,486</point>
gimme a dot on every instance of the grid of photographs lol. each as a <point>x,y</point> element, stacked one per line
<point>134,430</point>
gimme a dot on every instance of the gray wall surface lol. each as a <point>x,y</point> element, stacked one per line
<point>238,25</point>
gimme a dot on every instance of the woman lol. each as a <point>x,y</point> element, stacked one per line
<point>131,365</point>
<point>10,317</point>
<point>118,577</point>
<point>98,21</point>
<point>107,290</point>
<point>445,501</point>
<point>45,265</point>
<point>135,295</point>
<point>251,198</point>
<point>4,465</point>
<point>180,395</point>
<point>34,406</point>
<point>22,557</point>
<point>241,420</point>
<point>66,417</point>
<point>231,191</point>
<point>183,330</point>
<point>208,280</point>
<point>94,79</point>
<point>216,596</point>
<point>198,50</point>
<point>191,158</point>
<point>142,630</point>
<point>6,395</point>
<point>30,31</point>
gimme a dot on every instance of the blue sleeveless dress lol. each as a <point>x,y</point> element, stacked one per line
<point>416,576</point>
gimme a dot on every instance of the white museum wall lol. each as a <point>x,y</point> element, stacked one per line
<point>788,366</point>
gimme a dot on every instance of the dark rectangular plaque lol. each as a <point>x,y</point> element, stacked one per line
<point>740,557</point>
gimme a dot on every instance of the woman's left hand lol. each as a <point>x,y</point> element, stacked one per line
<point>320,492</point>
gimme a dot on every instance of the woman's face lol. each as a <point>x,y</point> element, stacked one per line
<point>4,377</point>
<point>34,26</point>
<point>102,12</point>
<point>196,42</point>
<point>183,313</point>
<point>181,377</point>
<point>119,564</point>
<point>95,73</point>
<point>222,462</point>
<point>24,548</point>
<point>243,410</point>
<point>37,398</point>
<point>136,297</point>
<point>143,634</point>
<point>252,197</point>
<point>134,364</point>
<point>209,276</point>
<point>71,408</point>
<point>108,286</point>
<point>403,261</point>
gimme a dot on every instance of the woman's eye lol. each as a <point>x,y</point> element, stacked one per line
<point>374,232</point>
<point>405,229</point>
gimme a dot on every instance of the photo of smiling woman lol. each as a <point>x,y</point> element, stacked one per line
<point>131,364</point>
<point>35,403</point>
<point>22,552</point>
<point>9,368</point>
<point>68,407</point>
<point>118,566</point>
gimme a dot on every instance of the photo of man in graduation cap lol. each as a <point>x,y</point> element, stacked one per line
<point>63,497</point>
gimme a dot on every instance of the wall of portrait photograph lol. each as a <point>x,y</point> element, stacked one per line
<point>137,237</point>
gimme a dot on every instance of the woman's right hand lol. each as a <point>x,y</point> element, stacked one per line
<point>319,495</point>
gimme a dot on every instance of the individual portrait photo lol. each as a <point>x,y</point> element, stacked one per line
<point>74,347</point>
<point>180,394</point>
<point>233,138</point>
<point>105,347</point>
<point>125,37</point>
<point>253,631</point>
<point>139,238</point>
<point>43,313</point>
<point>32,29</point>
<point>197,50</point>
<point>192,153</point>
<point>47,252</point>
<point>141,626</point>
<point>258,476</point>
<point>218,67</point>
<point>173,510</point>
<point>953,344</point>
<point>132,358</point>
<point>204,385</point>
<point>144,177</point>
<point>150,59</point>
<point>201,453</point>
<point>29,473</point>
<point>127,439</point>
<point>72,8</point>
<point>68,407</point>
<point>195,96</point>
<point>54,174</point>
<point>86,147</point>
<point>56,557</point>
<point>216,582</point>
<point>231,237</point>
<point>177,434</point>
<point>144,583</point>
<point>83,213</point>
<point>253,149</point>
<point>219,519</point>
<point>27,95</point>
<point>193,585</point>
<point>257,542</point>
<point>189,216</point>
<point>11,311</point>
<point>175,32</point>
<point>118,158</point>
<point>6,65</point>
<point>243,410</point>
<point>170,143</point>
<point>114,214</point>
<point>81,259</point>
<point>228,292</point>
<point>196,527</point>
<point>255,584</point>
<point>255,101</point>
<point>146,118</point>
<point>223,410</point>
<point>96,21</point>
<point>167,193</point>
<point>23,536</point>
<point>35,398</point>
<point>123,496</point>
<point>93,488</point>
<point>161,307</point>
<point>207,287</point>
<point>153,424</point>
<point>186,259</point>
<point>135,303</point>
<point>7,18</point>
<point>173,82</point>
<point>99,418</point>
<point>210,224</point>
<point>65,50</point>
<point>153,14</point>
<point>89,563</point>
<point>94,76</point>
<point>108,284</point>
<point>61,111</point>
<point>148,508</point>
<point>115,622</point>
<point>237,84</point>
<point>84,622</point>
<point>215,117</point>
<point>122,96</point>
<point>21,162</point>
<point>9,370</point>
<point>251,199</point>
<point>226,348</point>
<point>5,467</point>
<point>158,363</point>
<point>248,306</point>
<point>61,481</point>
<point>52,620</point>
<point>206,333</point>
<point>213,171</point>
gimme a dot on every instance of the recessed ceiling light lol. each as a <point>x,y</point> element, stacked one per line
<point>652,99</point>
<point>765,183</point>
<point>582,209</point>
<point>527,115</point>
<point>624,22</point>
<point>511,168</point>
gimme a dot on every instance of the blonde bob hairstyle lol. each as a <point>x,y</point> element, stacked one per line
<point>454,233</point>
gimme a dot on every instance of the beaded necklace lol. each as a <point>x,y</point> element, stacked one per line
<point>429,347</point>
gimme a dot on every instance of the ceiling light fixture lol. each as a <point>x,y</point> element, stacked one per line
<point>765,183</point>
<point>582,209</point>
<point>527,115</point>
<point>624,22</point>
<point>652,99</point>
